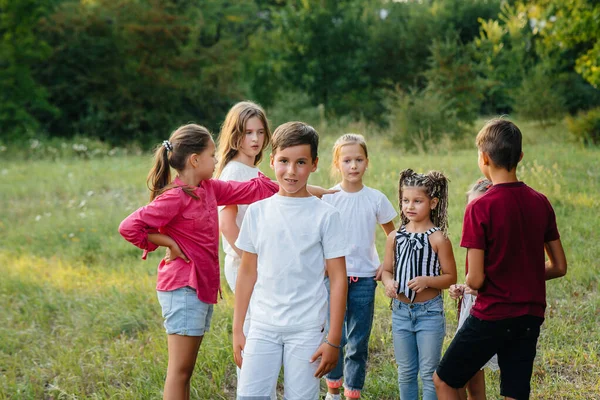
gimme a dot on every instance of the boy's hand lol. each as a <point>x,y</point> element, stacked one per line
<point>455,291</point>
<point>470,291</point>
<point>318,191</point>
<point>379,273</point>
<point>418,284</point>
<point>391,288</point>
<point>239,342</point>
<point>173,252</point>
<point>329,358</point>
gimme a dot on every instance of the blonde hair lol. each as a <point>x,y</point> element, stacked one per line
<point>173,153</point>
<point>233,130</point>
<point>348,138</point>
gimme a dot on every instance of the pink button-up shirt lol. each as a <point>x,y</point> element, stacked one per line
<point>193,224</point>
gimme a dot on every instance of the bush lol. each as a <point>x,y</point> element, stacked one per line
<point>538,98</point>
<point>421,118</point>
<point>586,126</point>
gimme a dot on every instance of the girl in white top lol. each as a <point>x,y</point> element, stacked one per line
<point>362,209</point>
<point>467,296</point>
<point>243,137</point>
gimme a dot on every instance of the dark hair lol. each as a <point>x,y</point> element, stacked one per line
<point>435,185</point>
<point>295,134</point>
<point>502,141</point>
<point>233,130</point>
<point>481,186</point>
<point>185,140</point>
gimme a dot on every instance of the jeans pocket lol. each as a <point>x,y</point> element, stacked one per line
<point>435,307</point>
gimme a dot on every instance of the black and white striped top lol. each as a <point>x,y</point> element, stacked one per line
<point>414,257</point>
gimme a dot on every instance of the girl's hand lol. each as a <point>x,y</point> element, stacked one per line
<point>239,342</point>
<point>379,273</point>
<point>391,288</point>
<point>470,291</point>
<point>455,291</point>
<point>418,284</point>
<point>329,358</point>
<point>173,252</point>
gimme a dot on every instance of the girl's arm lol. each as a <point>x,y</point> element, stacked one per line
<point>442,246</point>
<point>244,287</point>
<point>387,228</point>
<point>233,192</point>
<point>146,220</point>
<point>338,281</point>
<point>387,277</point>
<point>228,226</point>
<point>556,266</point>
<point>166,241</point>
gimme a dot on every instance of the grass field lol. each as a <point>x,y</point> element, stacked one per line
<point>80,319</point>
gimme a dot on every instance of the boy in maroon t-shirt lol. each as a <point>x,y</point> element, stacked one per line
<point>505,232</point>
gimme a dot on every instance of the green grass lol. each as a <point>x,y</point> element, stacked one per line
<point>79,316</point>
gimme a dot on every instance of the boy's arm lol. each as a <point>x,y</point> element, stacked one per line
<point>244,287</point>
<point>228,226</point>
<point>338,281</point>
<point>476,274</point>
<point>556,266</point>
<point>443,247</point>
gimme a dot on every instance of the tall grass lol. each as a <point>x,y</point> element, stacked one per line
<point>79,316</point>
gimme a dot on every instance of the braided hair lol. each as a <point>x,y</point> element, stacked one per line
<point>435,185</point>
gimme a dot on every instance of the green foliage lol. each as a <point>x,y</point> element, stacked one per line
<point>123,70</point>
<point>420,118</point>
<point>586,126</point>
<point>571,25</point>
<point>453,77</point>
<point>21,96</point>
<point>538,98</point>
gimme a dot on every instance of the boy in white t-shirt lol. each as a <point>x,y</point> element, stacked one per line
<point>285,240</point>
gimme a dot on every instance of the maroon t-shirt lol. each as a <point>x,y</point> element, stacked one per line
<point>511,223</point>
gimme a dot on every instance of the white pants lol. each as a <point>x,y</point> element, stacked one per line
<point>264,354</point>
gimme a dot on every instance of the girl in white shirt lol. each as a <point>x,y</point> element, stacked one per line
<point>362,209</point>
<point>244,136</point>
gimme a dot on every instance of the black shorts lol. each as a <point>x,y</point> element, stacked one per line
<point>513,339</point>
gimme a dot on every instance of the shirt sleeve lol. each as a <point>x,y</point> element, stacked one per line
<point>334,238</point>
<point>385,210</point>
<point>473,233</point>
<point>233,192</point>
<point>148,219</point>
<point>245,240</point>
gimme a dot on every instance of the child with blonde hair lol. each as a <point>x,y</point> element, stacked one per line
<point>361,208</point>
<point>244,136</point>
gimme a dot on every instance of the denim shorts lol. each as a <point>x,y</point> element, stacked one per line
<point>184,313</point>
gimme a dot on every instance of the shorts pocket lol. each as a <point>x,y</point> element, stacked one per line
<point>165,299</point>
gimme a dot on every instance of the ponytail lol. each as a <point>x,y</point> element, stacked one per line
<point>159,176</point>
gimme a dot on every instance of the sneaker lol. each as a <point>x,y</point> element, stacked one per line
<point>331,396</point>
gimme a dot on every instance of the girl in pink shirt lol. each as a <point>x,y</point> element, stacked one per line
<point>182,216</point>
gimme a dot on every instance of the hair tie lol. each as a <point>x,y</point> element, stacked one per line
<point>167,145</point>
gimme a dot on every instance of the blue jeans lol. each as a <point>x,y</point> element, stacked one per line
<point>352,361</point>
<point>418,331</point>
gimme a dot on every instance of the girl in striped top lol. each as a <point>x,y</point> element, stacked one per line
<point>418,264</point>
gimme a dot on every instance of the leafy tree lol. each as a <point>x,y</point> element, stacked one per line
<point>21,95</point>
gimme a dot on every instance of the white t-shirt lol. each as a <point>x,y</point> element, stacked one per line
<point>292,237</point>
<point>236,171</point>
<point>361,212</point>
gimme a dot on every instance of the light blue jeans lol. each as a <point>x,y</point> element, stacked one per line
<point>418,331</point>
<point>358,320</point>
